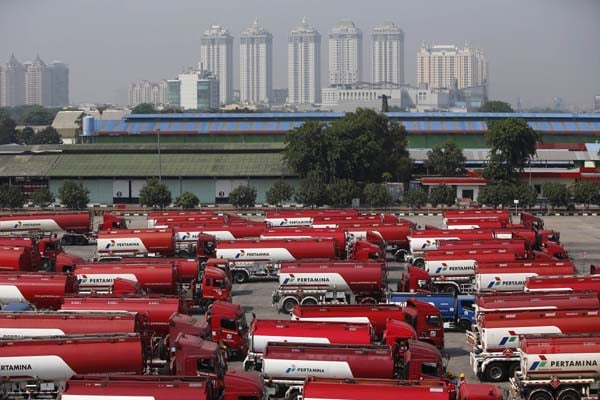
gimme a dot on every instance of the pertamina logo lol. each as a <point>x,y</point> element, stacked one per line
<point>242,253</point>
<point>509,339</point>
<point>18,225</point>
<point>307,279</point>
<point>300,370</point>
<point>426,244</point>
<point>15,367</point>
<point>112,244</point>
<point>84,280</point>
<point>446,268</point>
<point>496,282</point>
<point>539,364</point>
<point>22,225</point>
<point>499,282</point>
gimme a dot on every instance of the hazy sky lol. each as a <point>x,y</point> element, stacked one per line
<point>537,49</point>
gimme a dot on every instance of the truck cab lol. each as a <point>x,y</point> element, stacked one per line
<point>420,360</point>
<point>194,355</point>
<point>229,327</point>
<point>415,280</point>
<point>215,285</point>
<point>427,321</point>
<point>205,247</point>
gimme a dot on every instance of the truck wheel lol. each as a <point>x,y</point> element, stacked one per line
<point>464,324</point>
<point>400,256</point>
<point>368,300</point>
<point>80,241</point>
<point>495,372</point>
<point>289,304</point>
<point>66,240</point>
<point>568,394</point>
<point>449,289</point>
<point>183,253</point>
<point>540,394</point>
<point>513,369</point>
<point>240,277</point>
<point>309,301</point>
<point>419,263</point>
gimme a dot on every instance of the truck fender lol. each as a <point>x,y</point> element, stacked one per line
<point>310,300</point>
<point>540,394</point>
<point>419,262</point>
<point>401,255</point>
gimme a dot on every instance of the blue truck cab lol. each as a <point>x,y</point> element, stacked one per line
<point>457,311</point>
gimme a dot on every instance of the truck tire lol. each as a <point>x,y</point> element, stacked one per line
<point>309,301</point>
<point>66,240</point>
<point>496,372</point>
<point>183,253</point>
<point>449,289</point>
<point>540,394</point>
<point>240,277</point>
<point>419,263</point>
<point>289,304</point>
<point>80,241</point>
<point>464,324</point>
<point>513,369</point>
<point>368,300</point>
<point>568,393</point>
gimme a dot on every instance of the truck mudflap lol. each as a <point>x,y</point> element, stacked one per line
<point>520,389</point>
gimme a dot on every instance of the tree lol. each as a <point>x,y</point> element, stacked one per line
<point>442,194</point>
<point>360,146</point>
<point>187,200</point>
<point>243,196</point>
<point>312,190</point>
<point>585,192</point>
<point>513,143</point>
<point>496,194</point>
<point>377,195</point>
<point>38,115</point>
<point>556,193</point>
<point>42,197</point>
<point>144,108</point>
<point>527,195</point>
<point>341,192</point>
<point>8,131</point>
<point>11,197</point>
<point>416,198</point>
<point>25,135</point>
<point>74,195</point>
<point>155,194</point>
<point>279,193</point>
<point>447,160</point>
<point>48,135</point>
<point>496,107</point>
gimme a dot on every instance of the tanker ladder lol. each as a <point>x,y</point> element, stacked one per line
<point>552,389</point>
<point>496,366</point>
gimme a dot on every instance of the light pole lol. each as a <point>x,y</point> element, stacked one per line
<point>159,160</point>
<point>516,207</point>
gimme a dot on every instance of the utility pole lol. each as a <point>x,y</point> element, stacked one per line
<point>159,160</point>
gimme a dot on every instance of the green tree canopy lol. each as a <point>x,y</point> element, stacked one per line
<point>144,108</point>
<point>74,195</point>
<point>446,160</point>
<point>557,194</point>
<point>341,192</point>
<point>442,195</point>
<point>377,195</point>
<point>312,190</point>
<point>416,198</point>
<point>279,193</point>
<point>361,146</point>
<point>187,200</point>
<point>512,143</point>
<point>496,107</point>
<point>42,197</point>
<point>8,131</point>
<point>11,197</point>
<point>25,135</point>
<point>38,115</point>
<point>155,194</point>
<point>585,192</point>
<point>48,135</point>
<point>243,196</point>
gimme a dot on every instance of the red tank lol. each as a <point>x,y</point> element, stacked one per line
<point>507,277</point>
<point>154,387</point>
<point>517,246</point>
<point>379,218</point>
<point>44,291</point>
<point>232,231</point>
<point>188,325</point>
<point>158,310</point>
<point>573,283</point>
<point>476,213</point>
<point>152,277</point>
<point>190,219</point>
<point>58,359</point>
<point>76,222</point>
<point>329,212</point>
<point>19,324</point>
<point>474,223</point>
<point>276,250</point>
<point>138,241</point>
<point>360,389</point>
<point>341,237</point>
<point>15,259</point>
<point>30,244</point>
<point>519,301</point>
<point>393,234</point>
<point>187,268</point>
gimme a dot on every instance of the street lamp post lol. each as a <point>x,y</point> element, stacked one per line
<point>516,201</point>
<point>159,160</point>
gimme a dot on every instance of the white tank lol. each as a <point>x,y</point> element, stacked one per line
<point>259,342</point>
<point>329,279</point>
<point>498,339</point>
<point>501,281</point>
<point>564,365</point>
<point>450,267</point>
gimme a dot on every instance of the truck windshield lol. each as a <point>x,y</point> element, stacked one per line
<point>433,320</point>
<point>242,323</point>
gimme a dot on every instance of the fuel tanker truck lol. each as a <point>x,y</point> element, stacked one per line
<point>512,276</point>
<point>74,228</point>
<point>425,318</point>
<point>495,338</point>
<point>40,366</point>
<point>571,283</point>
<point>557,367</point>
<point>285,366</point>
<point>43,290</point>
<point>393,389</point>
<point>330,283</point>
<point>521,301</point>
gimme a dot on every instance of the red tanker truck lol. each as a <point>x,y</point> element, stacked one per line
<point>380,389</point>
<point>511,277</point>
<point>72,227</point>
<point>330,283</point>
<point>557,367</point>
<point>520,301</point>
<point>168,220</point>
<point>425,318</point>
<point>572,283</point>
<point>43,290</point>
<point>41,366</point>
<point>137,241</point>
<point>495,338</point>
<point>303,217</point>
<point>285,366</point>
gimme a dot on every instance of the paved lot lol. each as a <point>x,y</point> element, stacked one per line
<point>580,236</point>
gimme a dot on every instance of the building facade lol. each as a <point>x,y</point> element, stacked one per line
<point>448,67</point>
<point>256,65</point>
<point>58,84</point>
<point>194,90</point>
<point>388,54</point>
<point>148,92</point>
<point>36,82</point>
<point>216,56</point>
<point>304,65</point>
<point>597,103</point>
<point>345,54</point>
<point>12,83</point>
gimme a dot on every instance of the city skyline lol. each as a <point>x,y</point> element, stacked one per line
<point>522,50</point>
